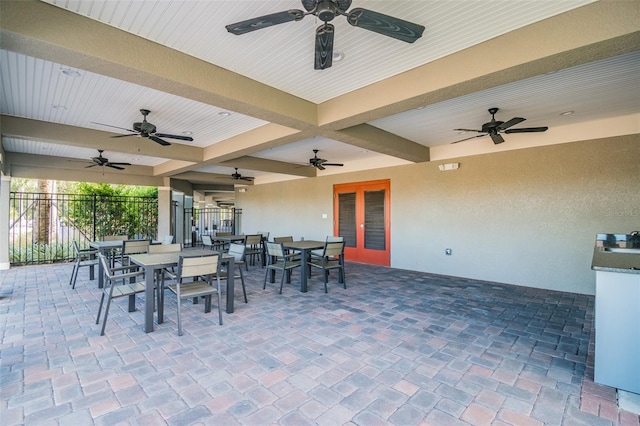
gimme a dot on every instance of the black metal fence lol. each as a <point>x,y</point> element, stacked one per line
<point>43,226</point>
<point>209,221</point>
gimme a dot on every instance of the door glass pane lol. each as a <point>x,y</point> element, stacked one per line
<point>347,218</point>
<point>374,232</point>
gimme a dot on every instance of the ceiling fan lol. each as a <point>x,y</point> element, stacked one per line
<point>147,130</point>
<point>238,176</point>
<point>104,162</point>
<point>319,163</point>
<point>494,127</point>
<point>326,10</point>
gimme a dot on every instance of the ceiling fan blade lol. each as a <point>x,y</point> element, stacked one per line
<point>333,164</point>
<point>496,138</point>
<point>118,164</point>
<point>248,178</point>
<point>265,21</point>
<point>472,137</point>
<point>158,140</point>
<point>385,25</point>
<point>527,130</point>
<point>115,127</point>
<point>468,130</point>
<point>512,122</point>
<point>124,136</point>
<point>91,165</point>
<point>114,166</point>
<point>324,46</point>
<point>182,138</point>
<point>319,166</point>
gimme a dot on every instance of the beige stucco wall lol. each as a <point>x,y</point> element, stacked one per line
<point>527,217</point>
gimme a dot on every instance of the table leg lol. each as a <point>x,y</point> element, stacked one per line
<point>303,273</point>
<point>149,299</point>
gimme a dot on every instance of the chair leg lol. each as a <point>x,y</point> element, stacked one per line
<point>73,271</point>
<point>282,280</point>
<point>179,316</point>
<point>219,307</point>
<point>264,284</point>
<point>106,314</point>
<point>244,290</point>
<point>100,308</point>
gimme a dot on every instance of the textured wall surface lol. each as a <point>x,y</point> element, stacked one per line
<point>526,217</point>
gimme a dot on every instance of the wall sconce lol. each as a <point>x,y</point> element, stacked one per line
<point>242,190</point>
<point>448,166</point>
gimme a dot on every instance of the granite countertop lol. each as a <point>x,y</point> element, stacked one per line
<point>624,261</point>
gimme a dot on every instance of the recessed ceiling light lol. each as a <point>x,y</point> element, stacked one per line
<point>337,56</point>
<point>224,113</point>
<point>60,107</point>
<point>188,133</point>
<point>567,112</point>
<point>70,72</point>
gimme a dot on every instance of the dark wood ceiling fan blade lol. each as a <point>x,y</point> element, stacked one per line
<point>115,127</point>
<point>472,137</point>
<point>333,164</point>
<point>158,140</point>
<point>496,138</point>
<point>118,164</point>
<point>182,138</point>
<point>91,165</point>
<point>319,166</point>
<point>527,130</point>
<point>114,166</point>
<point>468,130</point>
<point>324,46</point>
<point>512,122</point>
<point>385,25</point>
<point>124,136</point>
<point>265,21</point>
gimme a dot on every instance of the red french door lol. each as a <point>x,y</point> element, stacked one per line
<point>361,215</point>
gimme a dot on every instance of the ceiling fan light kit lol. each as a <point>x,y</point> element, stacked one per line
<point>326,11</point>
<point>494,128</point>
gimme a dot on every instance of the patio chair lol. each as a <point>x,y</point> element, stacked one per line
<point>167,239</point>
<point>163,274</point>
<point>130,247</point>
<point>253,249</point>
<point>221,244</point>
<point>278,260</point>
<point>115,238</point>
<point>237,251</point>
<point>207,243</point>
<point>330,239</point>
<point>84,257</point>
<point>113,290</point>
<point>331,258</point>
<point>202,270</point>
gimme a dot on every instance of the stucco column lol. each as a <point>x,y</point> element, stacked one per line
<point>5,189</point>
<point>164,212</point>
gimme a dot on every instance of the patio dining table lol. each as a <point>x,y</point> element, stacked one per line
<point>158,261</point>
<point>304,247</point>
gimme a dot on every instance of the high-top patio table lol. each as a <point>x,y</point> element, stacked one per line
<point>304,247</point>
<point>158,261</point>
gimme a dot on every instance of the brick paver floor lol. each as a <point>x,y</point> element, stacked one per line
<point>396,347</point>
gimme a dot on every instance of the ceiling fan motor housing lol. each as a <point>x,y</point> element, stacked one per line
<point>326,10</point>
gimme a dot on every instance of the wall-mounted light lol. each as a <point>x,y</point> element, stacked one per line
<point>448,166</point>
<point>242,190</point>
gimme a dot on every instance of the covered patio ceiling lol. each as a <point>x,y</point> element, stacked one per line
<point>76,73</point>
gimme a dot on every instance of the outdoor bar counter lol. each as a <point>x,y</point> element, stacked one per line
<point>616,261</point>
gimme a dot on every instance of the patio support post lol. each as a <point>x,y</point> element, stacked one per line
<point>5,189</point>
<point>164,212</point>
